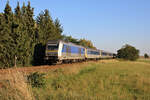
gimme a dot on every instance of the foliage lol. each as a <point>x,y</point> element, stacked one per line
<point>24,37</point>
<point>86,43</point>
<point>47,29</point>
<point>110,80</point>
<point>70,39</point>
<point>128,52</point>
<point>6,40</point>
<point>36,79</point>
<point>146,55</point>
<point>82,42</point>
<point>102,80</point>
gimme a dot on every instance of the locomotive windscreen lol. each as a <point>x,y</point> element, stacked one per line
<point>52,47</point>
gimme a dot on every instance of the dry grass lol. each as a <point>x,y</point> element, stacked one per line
<point>13,86</point>
<point>144,60</point>
<point>100,80</point>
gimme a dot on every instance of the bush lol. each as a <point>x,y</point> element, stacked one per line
<point>36,79</point>
<point>128,52</point>
<point>146,55</point>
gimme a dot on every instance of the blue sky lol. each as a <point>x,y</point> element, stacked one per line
<point>109,24</point>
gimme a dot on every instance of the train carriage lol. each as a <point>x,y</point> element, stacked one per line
<point>104,54</point>
<point>92,53</point>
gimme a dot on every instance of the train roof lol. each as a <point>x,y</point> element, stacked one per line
<point>69,43</point>
<point>92,49</point>
<point>106,51</point>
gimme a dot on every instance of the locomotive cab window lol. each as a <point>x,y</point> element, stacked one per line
<point>52,47</point>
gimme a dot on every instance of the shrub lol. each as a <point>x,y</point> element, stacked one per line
<point>146,55</point>
<point>128,52</point>
<point>37,79</point>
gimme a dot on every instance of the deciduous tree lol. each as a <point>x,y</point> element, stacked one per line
<point>146,55</point>
<point>128,52</point>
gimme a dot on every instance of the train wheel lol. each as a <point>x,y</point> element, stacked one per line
<point>59,62</point>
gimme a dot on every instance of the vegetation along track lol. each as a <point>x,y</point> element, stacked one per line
<point>42,68</point>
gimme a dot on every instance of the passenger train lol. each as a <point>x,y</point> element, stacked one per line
<point>60,51</point>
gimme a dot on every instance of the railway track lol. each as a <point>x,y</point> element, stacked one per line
<point>42,68</point>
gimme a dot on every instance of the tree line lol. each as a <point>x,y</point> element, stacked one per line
<point>23,37</point>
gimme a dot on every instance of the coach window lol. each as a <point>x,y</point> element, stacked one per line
<point>64,48</point>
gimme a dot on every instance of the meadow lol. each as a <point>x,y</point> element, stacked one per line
<point>100,80</point>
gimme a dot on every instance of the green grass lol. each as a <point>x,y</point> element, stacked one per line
<point>104,80</point>
<point>144,60</point>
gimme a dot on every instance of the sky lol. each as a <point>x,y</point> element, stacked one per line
<point>109,24</point>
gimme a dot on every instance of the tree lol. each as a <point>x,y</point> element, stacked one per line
<point>17,31</point>
<point>146,55</point>
<point>82,42</point>
<point>58,29</point>
<point>128,52</point>
<point>8,13</point>
<point>46,30</point>
<point>30,37</point>
<point>20,35</point>
<point>25,38</point>
<point>6,40</point>
<point>86,43</point>
<point>70,39</point>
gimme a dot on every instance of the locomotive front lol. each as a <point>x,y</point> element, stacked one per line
<point>52,51</point>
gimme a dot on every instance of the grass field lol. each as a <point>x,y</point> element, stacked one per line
<point>144,60</point>
<point>101,80</point>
